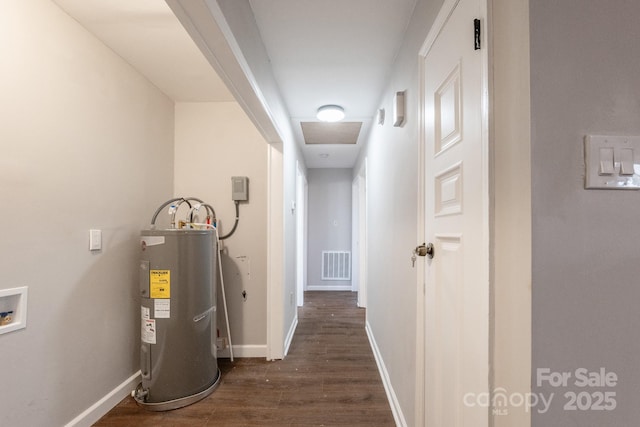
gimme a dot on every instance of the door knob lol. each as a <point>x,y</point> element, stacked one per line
<point>430,250</point>
<point>425,250</point>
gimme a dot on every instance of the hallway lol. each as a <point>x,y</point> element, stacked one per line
<point>329,378</point>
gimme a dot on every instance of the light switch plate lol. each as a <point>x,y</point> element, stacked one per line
<point>95,240</point>
<point>620,173</point>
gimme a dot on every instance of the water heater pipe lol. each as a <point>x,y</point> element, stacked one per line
<point>224,297</point>
<point>165,204</point>
<point>181,200</point>
<point>235,224</point>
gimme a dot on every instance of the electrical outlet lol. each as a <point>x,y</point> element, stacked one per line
<point>221,343</point>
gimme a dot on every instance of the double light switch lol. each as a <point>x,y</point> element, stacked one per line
<point>612,162</point>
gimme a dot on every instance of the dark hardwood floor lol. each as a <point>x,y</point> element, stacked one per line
<point>329,378</point>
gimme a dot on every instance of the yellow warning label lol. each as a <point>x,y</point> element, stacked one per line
<point>160,283</point>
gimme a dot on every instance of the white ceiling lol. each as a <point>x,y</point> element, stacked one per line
<point>147,35</point>
<point>321,52</point>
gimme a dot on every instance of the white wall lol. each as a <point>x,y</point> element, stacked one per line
<point>86,143</point>
<point>585,58</point>
<point>392,174</point>
<point>329,222</point>
<point>213,142</point>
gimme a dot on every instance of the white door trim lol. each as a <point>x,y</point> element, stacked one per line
<point>438,25</point>
<point>362,234</point>
<point>275,260</point>
<point>301,234</point>
<point>355,246</point>
<point>510,120</point>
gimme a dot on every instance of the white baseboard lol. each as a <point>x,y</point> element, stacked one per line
<point>329,288</point>
<point>289,338</point>
<point>244,351</point>
<point>111,399</point>
<point>398,416</point>
<point>108,402</point>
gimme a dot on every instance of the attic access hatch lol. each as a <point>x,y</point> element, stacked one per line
<point>330,133</point>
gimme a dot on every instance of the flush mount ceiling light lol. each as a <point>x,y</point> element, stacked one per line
<point>330,113</point>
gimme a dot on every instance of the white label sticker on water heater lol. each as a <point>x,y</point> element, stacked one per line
<point>148,333</point>
<point>162,308</point>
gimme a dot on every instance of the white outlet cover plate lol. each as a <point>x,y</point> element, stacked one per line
<point>95,240</point>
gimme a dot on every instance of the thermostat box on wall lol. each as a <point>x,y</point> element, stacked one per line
<point>398,109</point>
<point>239,188</point>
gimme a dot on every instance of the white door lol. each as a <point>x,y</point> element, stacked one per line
<point>456,222</point>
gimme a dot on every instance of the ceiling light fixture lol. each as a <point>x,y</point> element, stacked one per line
<point>330,113</point>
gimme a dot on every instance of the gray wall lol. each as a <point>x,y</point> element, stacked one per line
<point>392,176</point>
<point>87,142</point>
<point>585,79</point>
<point>329,228</point>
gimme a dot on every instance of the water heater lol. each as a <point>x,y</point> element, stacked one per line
<point>178,317</point>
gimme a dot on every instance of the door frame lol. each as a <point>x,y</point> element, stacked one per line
<point>439,24</point>
<point>355,248</point>
<point>359,234</point>
<point>302,198</point>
